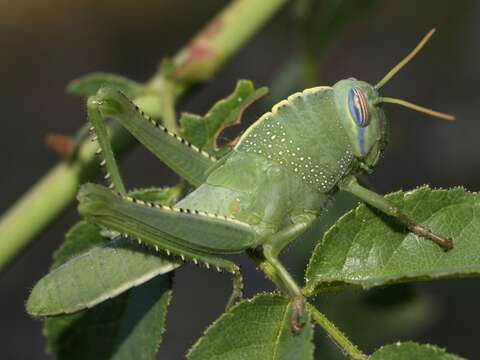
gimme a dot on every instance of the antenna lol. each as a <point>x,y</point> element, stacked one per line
<point>415,107</point>
<point>406,60</point>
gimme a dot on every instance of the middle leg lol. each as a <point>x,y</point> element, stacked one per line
<point>271,250</point>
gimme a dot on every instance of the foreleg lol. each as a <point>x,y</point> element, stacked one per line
<point>379,202</point>
<point>182,157</point>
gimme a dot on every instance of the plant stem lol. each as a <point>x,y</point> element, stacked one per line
<point>339,337</point>
<point>168,106</point>
<point>50,195</point>
<point>223,36</point>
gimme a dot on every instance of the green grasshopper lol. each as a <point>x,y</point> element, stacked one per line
<point>264,193</point>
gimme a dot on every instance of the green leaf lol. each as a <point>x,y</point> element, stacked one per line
<point>88,270</point>
<point>80,238</point>
<point>410,351</point>
<point>131,324</point>
<point>301,250</point>
<point>98,274</point>
<point>203,131</point>
<point>255,329</point>
<point>127,327</point>
<point>88,85</point>
<point>366,248</point>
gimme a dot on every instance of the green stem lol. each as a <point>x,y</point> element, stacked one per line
<point>168,106</point>
<point>50,195</point>
<point>339,337</point>
<point>168,97</point>
<point>223,36</point>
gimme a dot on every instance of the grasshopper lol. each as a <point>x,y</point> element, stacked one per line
<point>266,191</point>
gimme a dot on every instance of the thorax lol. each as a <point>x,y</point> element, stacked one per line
<point>304,135</point>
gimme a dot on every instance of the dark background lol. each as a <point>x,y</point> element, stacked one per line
<point>45,44</point>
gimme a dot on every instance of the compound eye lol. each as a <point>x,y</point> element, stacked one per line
<point>358,106</point>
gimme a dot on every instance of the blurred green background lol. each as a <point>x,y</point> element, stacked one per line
<point>47,43</point>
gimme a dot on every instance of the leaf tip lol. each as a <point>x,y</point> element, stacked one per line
<point>35,305</point>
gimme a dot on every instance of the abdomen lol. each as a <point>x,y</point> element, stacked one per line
<point>255,190</point>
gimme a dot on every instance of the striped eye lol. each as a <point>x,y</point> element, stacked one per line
<point>357,104</point>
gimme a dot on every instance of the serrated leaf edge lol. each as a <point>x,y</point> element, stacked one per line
<point>309,289</point>
<point>229,313</point>
<point>430,346</point>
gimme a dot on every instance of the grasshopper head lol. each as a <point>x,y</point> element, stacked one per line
<point>359,106</point>
<point>363,120</point>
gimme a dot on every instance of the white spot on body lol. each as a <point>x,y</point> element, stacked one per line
<point>291,152</point>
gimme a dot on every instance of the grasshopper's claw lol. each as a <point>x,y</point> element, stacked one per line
<point>298,319</point>
<point>444,242</point>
